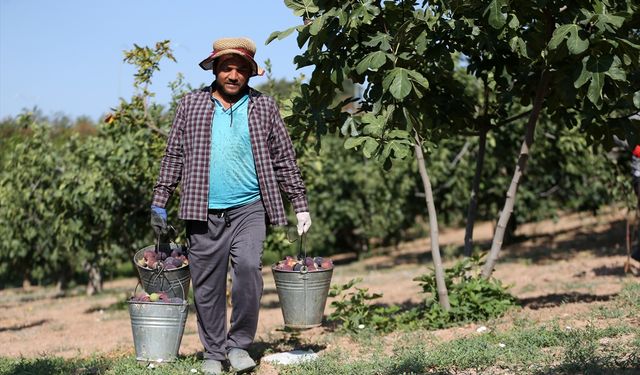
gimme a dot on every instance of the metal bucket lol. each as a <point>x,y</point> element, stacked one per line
<point>174,282</point>
<point>157,329</point>
<point>302,295</point>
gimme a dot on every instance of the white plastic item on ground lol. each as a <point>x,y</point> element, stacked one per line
<point>290,357</point>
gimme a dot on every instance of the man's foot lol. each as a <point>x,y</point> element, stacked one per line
<point>240,360</point>
<point>211,367</point>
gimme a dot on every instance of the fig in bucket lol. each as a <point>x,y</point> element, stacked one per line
<point>160,297</point>
<point>290,263</point>
<point>152,260</point>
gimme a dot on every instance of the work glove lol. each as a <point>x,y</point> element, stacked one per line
<point>159,221</point>
<point>304,222</point>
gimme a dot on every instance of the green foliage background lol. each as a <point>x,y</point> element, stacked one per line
<point>74,196</point>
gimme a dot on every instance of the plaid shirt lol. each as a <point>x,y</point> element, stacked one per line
<point>186,158</point>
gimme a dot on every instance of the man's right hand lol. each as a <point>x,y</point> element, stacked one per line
<point>159,220</point>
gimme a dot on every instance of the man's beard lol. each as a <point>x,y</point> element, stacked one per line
<point>231,97</point>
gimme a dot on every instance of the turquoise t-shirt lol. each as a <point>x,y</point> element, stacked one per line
<point>232,171</point>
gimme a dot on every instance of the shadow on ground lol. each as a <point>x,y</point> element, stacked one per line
<point>544,247</point>
<point>537,248</point>
<point>290,340</point>
<point>20,327</point>
<point>557,299</point>
<point>55,365</point>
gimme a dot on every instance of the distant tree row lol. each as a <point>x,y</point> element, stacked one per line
<point>75,196</point>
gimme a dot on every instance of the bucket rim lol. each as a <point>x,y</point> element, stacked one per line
<point>273,268</point>
<point>140,253</point>
<point>185,303</point>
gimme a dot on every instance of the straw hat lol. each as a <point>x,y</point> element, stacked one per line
<point>244,47</point>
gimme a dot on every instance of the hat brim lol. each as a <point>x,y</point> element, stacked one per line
<point>209,62</point>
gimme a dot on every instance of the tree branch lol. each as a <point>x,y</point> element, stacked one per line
<point>514,118</point>
<point>463,151</point>
<point>156,129</point>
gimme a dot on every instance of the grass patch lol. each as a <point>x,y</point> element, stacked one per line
<point>625,305</point>
<point>54,366</point>
<point>530,350</point>
<point>525,348</point>
<point>126,365</point>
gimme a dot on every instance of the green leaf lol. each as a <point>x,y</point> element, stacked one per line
<point>636,99</point>
<point>370,146</point>
<point>398,133</point>
<point>514,23</point>
<point>397,83</point>
<point>595,89</point>
<point>616,72</point>
<point>349,127</point>
<point>605,21</point>
<point>380,40</point>
<point>372,62</point>
<point>316,25</point>
<point>342,16</point>
<point>559,35</point>
<point>418,78</point>
<point>497,19</point>
<point>301,7</point>
<point>411,119</point>
<point>596,67</point>
<point>353,142</point>
<point>401,148</point>
<point>575,44</point>
<point>584,75</point>
<point>402,152</point>
<point>280,34</point>
<point>375,125</point>
<point>629,43</point>
<point>518,46</point>
<point>421,43</point>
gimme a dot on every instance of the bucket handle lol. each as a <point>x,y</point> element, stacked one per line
<point>160,272</point>
<point>171,241</point>
<point>302,254</point>
<point>302,248</point>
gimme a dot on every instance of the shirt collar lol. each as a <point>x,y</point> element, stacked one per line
<point>234,106</point>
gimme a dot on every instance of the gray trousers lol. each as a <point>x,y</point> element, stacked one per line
<point>238,234</point>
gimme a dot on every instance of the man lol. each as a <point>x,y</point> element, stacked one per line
<point>229,148</point>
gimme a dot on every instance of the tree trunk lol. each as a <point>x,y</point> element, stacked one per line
<point>94,285</point>
<point>61,284</point>
<point>26,280</point>
<point>443,295</point>
<point>64,274</point>
<point>505,214</point>
<point>475,187</point>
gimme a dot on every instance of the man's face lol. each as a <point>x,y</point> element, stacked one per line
<point>232,74</point>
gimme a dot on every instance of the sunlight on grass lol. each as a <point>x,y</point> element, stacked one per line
<point>610,343</point>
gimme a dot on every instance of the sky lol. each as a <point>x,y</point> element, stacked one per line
<point>65,57</point>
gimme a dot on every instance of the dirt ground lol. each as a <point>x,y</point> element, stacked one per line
<point>563,269</point>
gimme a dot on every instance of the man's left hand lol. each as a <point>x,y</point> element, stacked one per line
<point>304,222</point>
